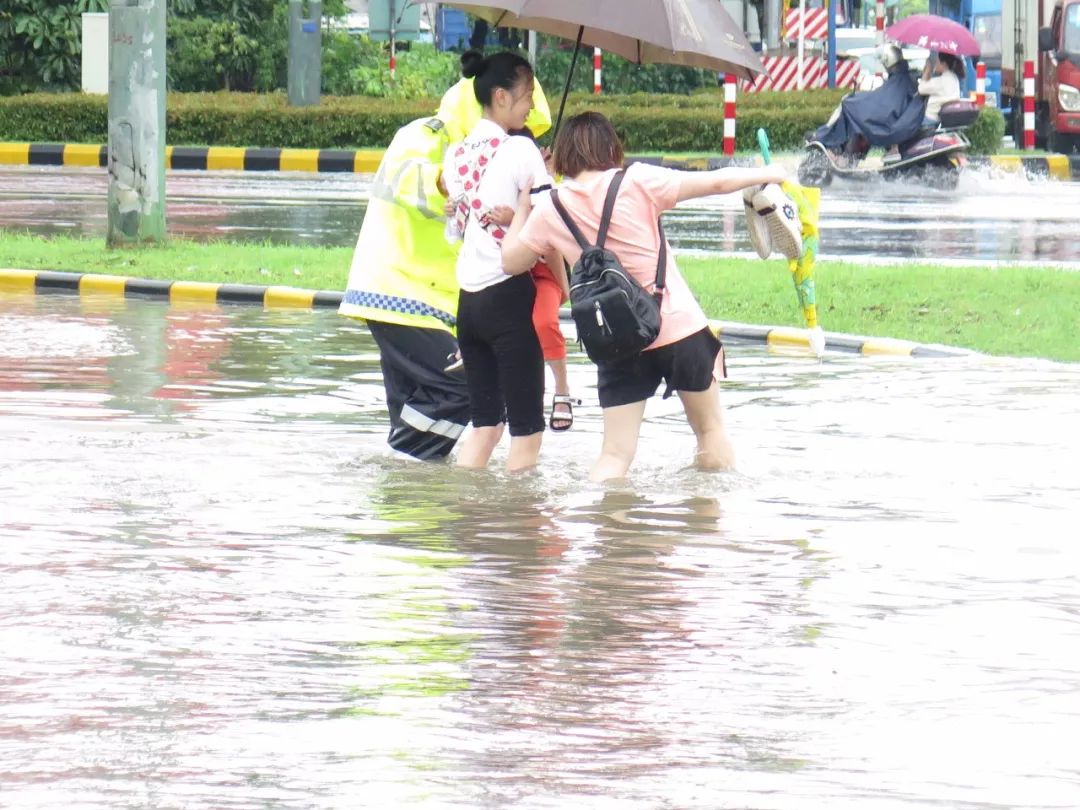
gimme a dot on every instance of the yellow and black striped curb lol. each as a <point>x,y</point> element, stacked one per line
<point>206,158</point>
<point>51,281</point>
<point>361,161</point>
<point>1054,167</point>
<point>366,161</point>
<point>274,297</point>
<point>781,337</point>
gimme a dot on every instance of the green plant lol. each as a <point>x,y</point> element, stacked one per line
<point>646,122</point>
<point>358,66</point>
<point>987,131</point>
<point>206,55</point>
<point>40,44</point>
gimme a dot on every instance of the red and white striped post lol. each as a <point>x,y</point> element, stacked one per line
<point>729,114</point>
<point>393,64</point>
<point>1029,104</point>
<point>879,21</point>
<point>596,59</point>
<point>980,84</point>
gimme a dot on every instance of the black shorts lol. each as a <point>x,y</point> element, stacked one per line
<point>504,364</point>
<point>429,407</point>
<point>685,365</point>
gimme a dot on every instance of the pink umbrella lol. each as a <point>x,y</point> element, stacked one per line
<point>934,33</point>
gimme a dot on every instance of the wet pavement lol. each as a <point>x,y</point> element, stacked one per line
<point>992,216</point>
<point>220,592</point>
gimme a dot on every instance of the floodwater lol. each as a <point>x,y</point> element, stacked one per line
<point>993,216</point>
<point>221,592</point>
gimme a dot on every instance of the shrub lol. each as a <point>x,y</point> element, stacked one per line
<point>646,122</point>
<point>987,131</point>
<point>40,43</point>
<point>357,66</point>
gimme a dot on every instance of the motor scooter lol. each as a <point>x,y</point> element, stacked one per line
<point>934,156</point>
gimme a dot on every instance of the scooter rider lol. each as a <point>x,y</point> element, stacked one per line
<point>888,115</point>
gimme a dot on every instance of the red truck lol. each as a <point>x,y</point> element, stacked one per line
<point>1048,33</point>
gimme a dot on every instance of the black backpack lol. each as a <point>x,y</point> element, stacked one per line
<point>615,316</point>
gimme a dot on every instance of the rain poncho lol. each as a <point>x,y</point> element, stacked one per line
<point>889,115</point>
<point>403,269</point>
<point>460,109</point>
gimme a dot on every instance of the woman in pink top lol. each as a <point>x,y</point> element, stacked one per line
<point>684,356</point>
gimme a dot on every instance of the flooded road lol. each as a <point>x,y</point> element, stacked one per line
<point>990,217</point>
<point>221,593</point>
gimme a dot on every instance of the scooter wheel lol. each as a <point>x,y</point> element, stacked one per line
<point>815,170</point>
<point>944,174</point>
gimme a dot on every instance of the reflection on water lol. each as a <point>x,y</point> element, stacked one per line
<point>991,217</point>
<point>221,592</point>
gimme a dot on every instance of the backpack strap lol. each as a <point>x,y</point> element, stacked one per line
<point>572,226</point>
<point>605,220</point>
<point>661,263</point>
<point>609,207</point>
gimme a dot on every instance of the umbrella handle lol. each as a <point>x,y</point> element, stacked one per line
<point>763,145</point>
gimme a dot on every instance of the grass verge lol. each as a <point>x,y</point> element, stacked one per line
<point>1005,310</point>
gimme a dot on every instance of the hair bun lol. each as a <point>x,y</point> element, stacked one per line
<point>473,63</point>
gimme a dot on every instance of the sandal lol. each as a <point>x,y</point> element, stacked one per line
<point>560,421</point>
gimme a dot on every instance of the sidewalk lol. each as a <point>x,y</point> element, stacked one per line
<point>194,292</point>
<point>366,161</point>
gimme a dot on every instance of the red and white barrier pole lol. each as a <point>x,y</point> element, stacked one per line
<point>980,84</point>
<point>596,84</point>
<point>879,21</point>
<point>393,65</point>
<point>729,114</point>
<point>1029,104</point>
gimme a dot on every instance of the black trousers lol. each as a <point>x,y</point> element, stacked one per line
<point>502,354</point>
<point>429,406</point>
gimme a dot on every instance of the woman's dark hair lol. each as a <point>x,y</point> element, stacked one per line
<point>953,63</point>
<point>503,69</point>
<point>587,142</point>
<point>469,61</point>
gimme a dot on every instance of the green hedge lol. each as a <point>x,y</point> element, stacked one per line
<point>645,122</point>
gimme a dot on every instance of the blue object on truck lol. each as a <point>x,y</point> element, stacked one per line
<point>454,30</point>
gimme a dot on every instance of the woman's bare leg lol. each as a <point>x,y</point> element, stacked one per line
<point>622,425</point>
<point>706,418</point>
<point>478,445</point>
<point>524,451</point>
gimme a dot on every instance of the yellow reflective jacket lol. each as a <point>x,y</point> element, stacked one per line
<point>460,107</point>
<point>403,269</point>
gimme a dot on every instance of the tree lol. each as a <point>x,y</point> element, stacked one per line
<point>41,44</point>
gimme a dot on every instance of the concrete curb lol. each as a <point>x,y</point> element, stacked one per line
<point>277,297</point>
<point>366,161</point>
<point>52,281</point>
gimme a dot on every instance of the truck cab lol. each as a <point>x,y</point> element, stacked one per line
<point>1046,32</point>
<point>1059,45</point>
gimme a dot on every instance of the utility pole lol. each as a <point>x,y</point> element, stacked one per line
<point>774,9</point>
<point>305,53</point>
<point>136,159</point>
